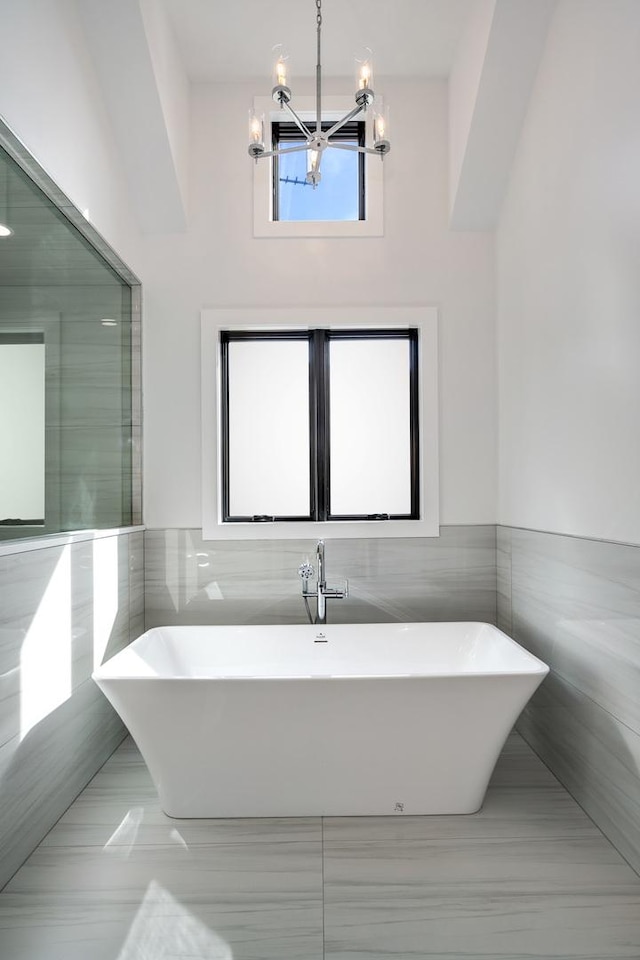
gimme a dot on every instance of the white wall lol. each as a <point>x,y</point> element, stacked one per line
<point>463,87</point>
<point>50,98</point>
<point>568,251</point>
<point>219,263</point>
<point>173,87</point>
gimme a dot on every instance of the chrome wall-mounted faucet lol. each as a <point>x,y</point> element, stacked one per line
<point>323,591</point>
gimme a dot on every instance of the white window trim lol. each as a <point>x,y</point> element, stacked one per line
<point>424,318</point>
<point>333,108</point>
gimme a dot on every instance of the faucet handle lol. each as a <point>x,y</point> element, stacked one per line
<point>305,570</point>
<point>335,592</point>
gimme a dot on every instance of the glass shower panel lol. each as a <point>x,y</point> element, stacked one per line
<point>57,288</point>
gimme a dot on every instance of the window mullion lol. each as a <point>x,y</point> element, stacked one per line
<point>313,427</point>
<point>320,402</point>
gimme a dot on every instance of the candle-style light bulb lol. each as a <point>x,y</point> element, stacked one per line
<point>364,78</point>
<point>281,68</point>
<point>281,75</point>
<point>256,134</point>
<point>364,70</point>
<point>281,72</point>
<point>313,168</point>
<point>381,131</point>
<point>255,128</point>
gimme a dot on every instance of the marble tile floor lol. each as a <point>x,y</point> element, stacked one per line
<point>529,876</point>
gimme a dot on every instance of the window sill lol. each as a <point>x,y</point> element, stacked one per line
<point>335,530</point>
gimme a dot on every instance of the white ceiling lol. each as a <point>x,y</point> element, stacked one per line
<point>233,40</point>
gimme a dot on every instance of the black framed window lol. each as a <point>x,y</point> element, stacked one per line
<point>342,197</point>
<point>319,425</point>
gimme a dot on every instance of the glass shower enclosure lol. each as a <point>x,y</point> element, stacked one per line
<point>69,363</point>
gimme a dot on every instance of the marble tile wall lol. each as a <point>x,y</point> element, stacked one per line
<point>188,581</point>
<point>575,603</point>
<point>61,607</point>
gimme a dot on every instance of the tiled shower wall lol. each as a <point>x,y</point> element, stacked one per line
<point>62,607</point>
<point>575,603</point>
<point>451,577</point>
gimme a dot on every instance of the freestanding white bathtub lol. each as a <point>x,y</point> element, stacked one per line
<point>286,721</point>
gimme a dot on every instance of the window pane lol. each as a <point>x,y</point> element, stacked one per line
<point>370,427</point>
<point>335,198</point>
<point>269,428</point>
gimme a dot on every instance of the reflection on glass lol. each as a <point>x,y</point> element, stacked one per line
<point>336,197</point>
<point>22,428</point>
<point>65,418</point>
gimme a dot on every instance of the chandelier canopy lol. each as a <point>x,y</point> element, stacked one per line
<point>317,140</point>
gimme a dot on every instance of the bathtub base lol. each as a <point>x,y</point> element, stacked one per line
<point>324,748</point>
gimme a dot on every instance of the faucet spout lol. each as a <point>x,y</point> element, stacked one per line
<point>322,592</point>
<point>321,611</point>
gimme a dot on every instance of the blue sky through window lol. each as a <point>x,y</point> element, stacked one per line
<point>335,198</point>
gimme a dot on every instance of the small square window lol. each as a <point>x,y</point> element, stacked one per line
<point>369,219</point>
<point>341,197</point>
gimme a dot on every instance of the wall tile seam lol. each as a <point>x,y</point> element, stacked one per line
<point>569,536</point>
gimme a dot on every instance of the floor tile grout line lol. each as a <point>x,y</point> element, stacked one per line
<point>322,881</point>
<point>507,837</point>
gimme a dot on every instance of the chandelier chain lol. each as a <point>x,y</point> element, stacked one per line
<point>319,68</point>
<point>319,28</point>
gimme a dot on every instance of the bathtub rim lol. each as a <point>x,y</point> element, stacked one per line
<point>532,665</point>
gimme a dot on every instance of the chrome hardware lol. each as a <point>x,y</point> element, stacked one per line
<point>323,591</point>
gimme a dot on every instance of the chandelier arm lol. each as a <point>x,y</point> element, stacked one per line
<point>353,148</point>
<point>278,153</point>
<point>298,122</point>
<point>350,116</point>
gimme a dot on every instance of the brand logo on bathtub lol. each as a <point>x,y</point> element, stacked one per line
<point>398,808</point>
<point>320,638</point>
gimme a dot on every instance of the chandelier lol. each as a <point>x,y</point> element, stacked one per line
<point>317,140</point>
